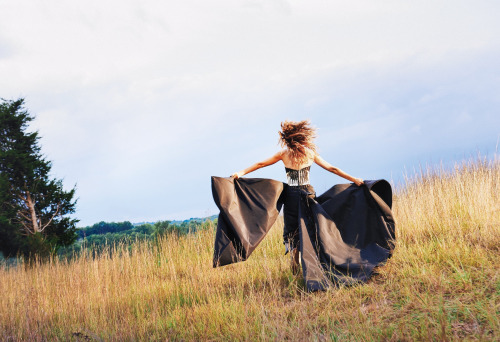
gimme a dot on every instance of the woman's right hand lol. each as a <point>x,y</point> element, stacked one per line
<point>358,181</point>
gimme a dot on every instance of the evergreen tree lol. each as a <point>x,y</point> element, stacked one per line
<point>33,206</point>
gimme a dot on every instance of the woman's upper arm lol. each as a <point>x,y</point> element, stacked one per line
<point>269,161</point>
<point>323,163</point>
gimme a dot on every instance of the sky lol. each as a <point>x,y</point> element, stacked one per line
<point>139,103</point>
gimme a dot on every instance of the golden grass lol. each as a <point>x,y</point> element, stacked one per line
<point>442,282</point>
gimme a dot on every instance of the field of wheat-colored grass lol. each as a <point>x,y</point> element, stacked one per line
<point>442,282</point>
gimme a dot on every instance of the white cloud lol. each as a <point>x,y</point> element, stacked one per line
<point>139,102</point>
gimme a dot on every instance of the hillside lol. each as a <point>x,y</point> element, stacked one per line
<point>443,282</point>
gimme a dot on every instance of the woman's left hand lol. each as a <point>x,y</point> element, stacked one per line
<point>237,175</point>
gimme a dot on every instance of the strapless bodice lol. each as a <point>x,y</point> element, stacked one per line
<point>298,177</point>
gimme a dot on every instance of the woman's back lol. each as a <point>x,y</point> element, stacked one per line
<point>291,164</point>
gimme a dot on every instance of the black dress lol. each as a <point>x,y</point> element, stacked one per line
<point>342,234</point>
<point>298,182</point>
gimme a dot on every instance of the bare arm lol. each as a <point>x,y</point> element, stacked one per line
<point>327,166</point>
<point>256,166</point>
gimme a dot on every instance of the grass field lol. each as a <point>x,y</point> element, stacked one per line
<point>442,283</point>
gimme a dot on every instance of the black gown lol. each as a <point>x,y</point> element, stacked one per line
<point>343,234</point>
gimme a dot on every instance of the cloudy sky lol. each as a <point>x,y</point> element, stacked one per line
<point>139,102</point>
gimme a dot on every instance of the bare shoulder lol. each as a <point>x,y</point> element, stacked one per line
<point>279,155</point>
<point>321,162</point>
<point>284,157</point>
<point>276,157</point>
<point>311,155</point>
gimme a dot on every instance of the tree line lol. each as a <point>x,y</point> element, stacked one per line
<point>103,236</point>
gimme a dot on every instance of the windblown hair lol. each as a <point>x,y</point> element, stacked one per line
<point>298,138</point>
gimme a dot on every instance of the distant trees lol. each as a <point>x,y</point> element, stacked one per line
<point>34,207</point>
<point>102,236</point>
<point>104,227</point>
<point>122,231</point>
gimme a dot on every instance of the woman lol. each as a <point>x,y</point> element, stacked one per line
<point>298,155</point>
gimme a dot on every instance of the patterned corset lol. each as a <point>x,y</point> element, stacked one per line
<point>298,177</point>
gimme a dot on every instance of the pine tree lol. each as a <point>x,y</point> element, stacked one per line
<point>34,207</point>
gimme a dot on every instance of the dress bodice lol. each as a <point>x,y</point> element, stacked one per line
<point>298,177</point>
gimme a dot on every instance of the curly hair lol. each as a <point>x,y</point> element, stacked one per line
<point>298,138</point>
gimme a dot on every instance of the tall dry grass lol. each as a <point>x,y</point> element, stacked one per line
<point>442,282</point>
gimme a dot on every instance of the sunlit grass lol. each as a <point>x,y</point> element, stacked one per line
<point>442,282</point>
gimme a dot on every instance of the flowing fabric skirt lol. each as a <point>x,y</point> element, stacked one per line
<point>343,234</point>
<point>292,195</point>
